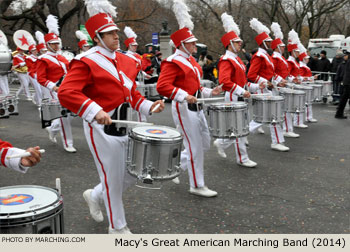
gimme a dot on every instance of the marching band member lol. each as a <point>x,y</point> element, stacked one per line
<point>18,164</point>
<point>21,69</point>
<point>232,76</point>
<point>293,41</point>
<point>262,70</point>
<point>31,61</point>
<point>83,41</point>
<point>51,69</point>
<point>179,80</point>
<point>99,83</point>
<point>282,69</point>
<point>306,74</point>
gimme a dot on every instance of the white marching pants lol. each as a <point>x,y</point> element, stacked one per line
<point>309,114</point>
<point>240,148</point>
<point>109,154</point>
<point>193,126</point>
<point>275,130</point>
<point>4,85</point>
<point>299,118</point>
<point>24,80</point>
<point>37,87</point>
<point>288,122</point>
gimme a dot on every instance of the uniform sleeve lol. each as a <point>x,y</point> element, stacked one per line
<point>254,69</point>
<point>225,72</point>
<point>6,150</point>
<point>165,84</point>
<point>41,67</point>
<point>17,62</point>
<point>70,93</point>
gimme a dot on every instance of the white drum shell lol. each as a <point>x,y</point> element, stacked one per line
<point>268,109</point>
<point>327,89</point>
<point>207,83</point>
<point>308,92</point>
<point>5,59</point>
<point>37,217</point>
<point>52,110</point>
<point>152,90</point>
<point>228,120</point>
<point>156,157</point>
<point>143,89</point>
<point>294,100</point>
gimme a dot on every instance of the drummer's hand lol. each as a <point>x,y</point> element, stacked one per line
<point>246,94</point>
<point>316,76</point>
<point>262,85</point>
<point>217,90</point>
<point>296,81</point>
<point>33,159</point>
<point>147,76</point>
<point>103,118</point>
<point>160,108</point>
<point>283,83</point>
<point>55,88</point>
<point>191,99</point>
<point>269,84</point>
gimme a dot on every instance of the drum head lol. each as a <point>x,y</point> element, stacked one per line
<point>25,199</point>
<point>3,39</point>
<point>267,97</point>
<point>226,105</point>
<point>22,39</point>
<point>156,131</point>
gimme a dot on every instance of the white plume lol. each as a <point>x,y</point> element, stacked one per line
<point>80,35</point>
<point>40,37</point>
<point>181,10</point>
<point>100,6</point>
<point>52,24</point>
<point>301,48</point>
<point>171,43</point>
<point>31,41</point>
<point>257,26</point>
<point>293,37</point>
<point>129,32</point>
<point>276,29</point>
<point>229,24</point>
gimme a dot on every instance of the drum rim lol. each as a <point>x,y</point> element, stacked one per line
<point>136,136</point>
<point>239,105</point>
<point>4,217</point>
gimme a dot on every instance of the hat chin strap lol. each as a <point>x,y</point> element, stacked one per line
<point>51,49</point>
<point>279,49</point>
<point>183,46</point>
<point>265,45</point>
<point>233,48</point>
<point>103,43</point>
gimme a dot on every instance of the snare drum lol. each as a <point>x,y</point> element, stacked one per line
<point>154,153</point>
<point>327,89</point>
<point>294,100</point>
<point>143,89</point>
<point>317,92</point>
<point>268,108</point>
<point>12,102</point>
<point>308,92</point>
<point>228,120</point>
<point>207,83</point>
<point>30,209</point>
<point>152,91</point>
<point>4,113</point>
<point>52,110</point>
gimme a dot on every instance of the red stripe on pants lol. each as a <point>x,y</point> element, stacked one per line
<point>104,173</point>
<point>278,141</point>
<point>183,128</point>
<point>239,153</point>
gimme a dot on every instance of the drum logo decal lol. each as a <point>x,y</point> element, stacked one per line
<point>15,199</point>
<point>156,131</point>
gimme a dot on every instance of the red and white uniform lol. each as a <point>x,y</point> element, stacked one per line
<point>31,62</point>
<point>232,77</point>
<point>6,149</point>
<point>262,68</point>
<point>305,72</point>
<point>19,60</point>
<point>294,68</point>
<point>281,65</point>
<point>51,67</point>
<point>99,79</point>
<point>179,77</point>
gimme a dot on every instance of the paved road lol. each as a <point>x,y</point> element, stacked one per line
<point>305,190</point>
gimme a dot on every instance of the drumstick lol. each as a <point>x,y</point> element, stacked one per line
<point>157,106</point>
<point>25,154</point>
<point>131,122</point>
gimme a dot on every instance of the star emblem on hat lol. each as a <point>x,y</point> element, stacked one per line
<point>189,31</point>
<point>109,19</point>
<point>23,40</point>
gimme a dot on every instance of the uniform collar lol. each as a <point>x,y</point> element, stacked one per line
<point>51,53</point>
<point>105,52</point>
<point>181,53</point>
<point>231,54</point>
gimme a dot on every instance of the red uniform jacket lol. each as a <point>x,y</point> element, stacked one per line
<point>4,147</point>
<point>136,57</point>
<point>294,67</point>
<point>51,67</point>
<point>304,70</point>
<point>262,68</point>
<point>19,60</point>
<point>96,81</point>
<point>146,63</point>
<point>179,76</point>
<point>281,65</point>
<point>31,62</point>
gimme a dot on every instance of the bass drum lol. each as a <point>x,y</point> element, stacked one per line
<point>5,59</point>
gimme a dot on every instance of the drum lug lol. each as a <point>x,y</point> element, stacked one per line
<point>148,179</point>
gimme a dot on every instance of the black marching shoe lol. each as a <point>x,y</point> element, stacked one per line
<point>340,116</point>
